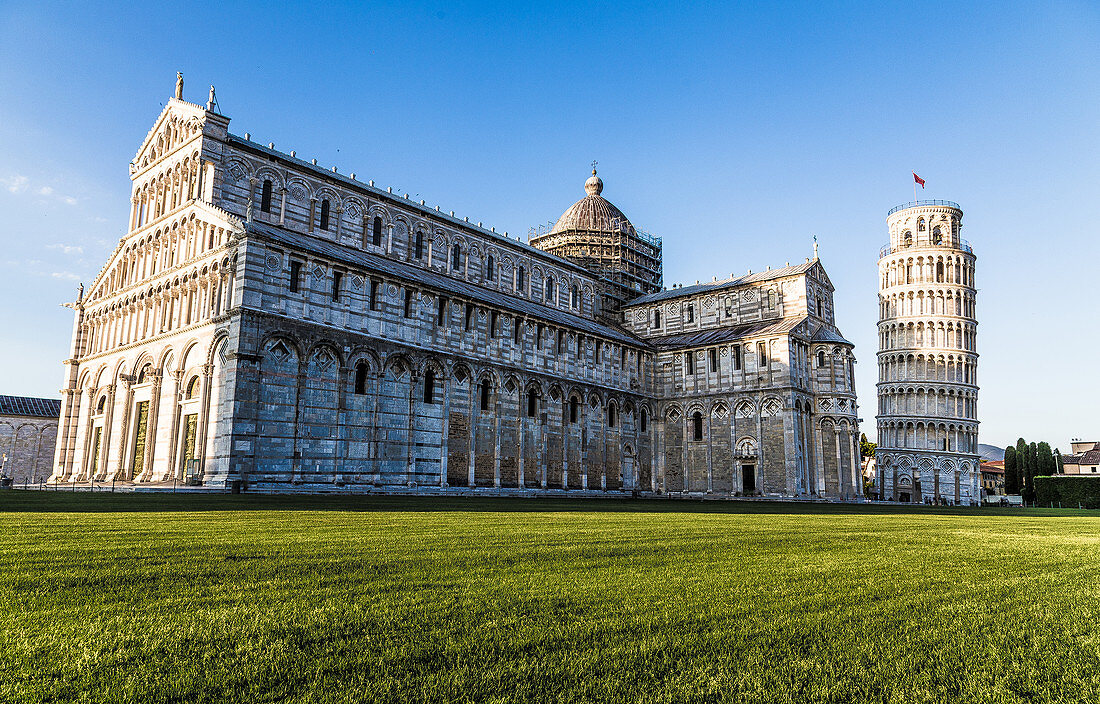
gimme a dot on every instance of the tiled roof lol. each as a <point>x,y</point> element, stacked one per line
<point>715,336</point>
<point>727,283</point>
<point>827,334</point>
<point>433,279</point>
<point>997,467</point>
<point>28,406</point>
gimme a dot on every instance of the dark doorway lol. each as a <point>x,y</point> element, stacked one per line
<point>748,479</point>
<point>903,496</point>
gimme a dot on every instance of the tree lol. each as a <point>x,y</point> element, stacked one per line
<point>1046,461</point>
<point>1058,461</point>
<point>1032,466</point>
<point>866,448</point>
<point>1012,477</point>
<point>1023,457</point>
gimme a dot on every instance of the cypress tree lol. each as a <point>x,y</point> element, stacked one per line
<point>1012,479</point>
<point>1021,467</point>
<point>1046,461</point>
<point>1032,469</point>
<point>1057,460</point>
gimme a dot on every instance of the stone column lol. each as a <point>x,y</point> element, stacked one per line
<point>151,429</point>
<point>282,205</point>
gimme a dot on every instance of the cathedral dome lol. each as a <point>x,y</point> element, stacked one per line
<point>593,213</point>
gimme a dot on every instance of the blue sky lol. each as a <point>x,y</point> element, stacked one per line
<point>734,132</point>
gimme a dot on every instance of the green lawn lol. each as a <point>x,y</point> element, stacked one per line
<point>151,598</point>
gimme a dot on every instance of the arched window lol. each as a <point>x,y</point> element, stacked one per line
<point>102,403</point>
<point>611,412</point>
<point>429,385</point>
<point>324,214</point>
<point>265,197</point>
<point>644,420</point>
<point>376,231</point>
<point>456,258</point>
<point>549,289</point>
<point>192,387</point>
<point>485,391</point>
<point>907,238</point>
<point>361,378</point>
<point>532,403</point>
<point>821,358</point>
<point>690,313</point>
<point>937,236</point>
<point>490,268</point>
<point>574,405</point>
<point>418,246</point>
<point>520,279</point>
<point>920,224</point>
<point>575,297</point>
<point>939,272</point>
<point>657,317</point>
<point>697,425</point>
<point>141,377</point>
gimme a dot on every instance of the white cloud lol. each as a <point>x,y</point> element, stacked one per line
<point>15,184</point>
<point>66,248</point>
<point>65,275</point>
<point>45,191</point>
<point>69,200</point>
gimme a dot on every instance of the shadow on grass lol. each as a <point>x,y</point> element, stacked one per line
<point>110,502</point>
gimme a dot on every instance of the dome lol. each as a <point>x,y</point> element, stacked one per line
<point>593,213</point>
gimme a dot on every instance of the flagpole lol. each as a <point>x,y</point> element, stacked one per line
<point>914,189</point>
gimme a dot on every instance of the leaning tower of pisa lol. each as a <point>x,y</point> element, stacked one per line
<point>927,359</point>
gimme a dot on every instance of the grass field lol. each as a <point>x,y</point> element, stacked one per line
<point>157,598</point>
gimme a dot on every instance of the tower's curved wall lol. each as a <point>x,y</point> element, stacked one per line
<point>927,359</point>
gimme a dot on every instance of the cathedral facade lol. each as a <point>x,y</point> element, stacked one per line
<point>269,324</point>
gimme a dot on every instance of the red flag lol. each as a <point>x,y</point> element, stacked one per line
<point>918,179</point>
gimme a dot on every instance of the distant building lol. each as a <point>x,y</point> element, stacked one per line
<point>1084,460</point>
<point>993,478</point>
<point>28,431</point>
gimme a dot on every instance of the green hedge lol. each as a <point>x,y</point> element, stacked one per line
<point>1069,491</point>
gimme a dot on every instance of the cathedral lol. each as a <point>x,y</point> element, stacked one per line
<point>267,324</point>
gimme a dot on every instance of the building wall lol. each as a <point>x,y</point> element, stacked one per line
<point>28,443</point>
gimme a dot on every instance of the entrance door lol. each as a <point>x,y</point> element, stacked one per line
<point>748,479</point>
<point>903,497</point>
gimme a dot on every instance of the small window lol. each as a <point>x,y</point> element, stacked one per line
<point>920,224</point>
<point>819,307</point>
<point>691,313</point>
<point>456,258</point>
<point>469,315</point>
<point>821,358</point>
<point>713,359</point>
<point>375,285</point>
<point>574,297</point>
<point>697,425</point>
<point>644,420</point>
<point>762,352</point>
<point>737,357</point>
<point>517,330</point>
<point>937,235</point>
<point>490,269</point>
<point>295,275</point>
<point>324,214</point>
<point>657,318</point>
<point>532,403</point>
<point>549,290</point>
<point>521,279</point>
<point>361,378</point>
<point>907,238</point>
<point>429,386</point>
<point>376,231</point>
<point>611,413</point>
<point>561,342</point>
<point>574,406</point>
<point>689,359</point>
<point>418,246</point>
<point>492,323</point>
<point>539,330</point>
<point>337,281</point>
<point>485,390</point>
<point>599,350</point>
<point>265,197</point>
<point>409,294</point>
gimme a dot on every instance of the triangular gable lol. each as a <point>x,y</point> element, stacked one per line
<point>212,214</point>
<point>818,272</point>
<point>158,142</point>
